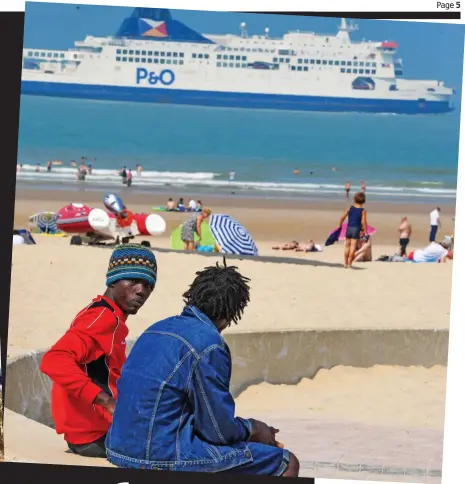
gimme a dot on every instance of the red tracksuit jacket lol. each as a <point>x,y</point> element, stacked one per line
<point>85,361</point>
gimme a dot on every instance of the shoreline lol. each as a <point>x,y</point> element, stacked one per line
<point>162,192</point>
<point>269,220</point>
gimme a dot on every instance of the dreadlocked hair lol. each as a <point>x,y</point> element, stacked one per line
<point>220,292</point>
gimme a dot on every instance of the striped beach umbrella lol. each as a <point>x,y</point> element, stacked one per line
<point>231,236</point>
<point>46,222</point>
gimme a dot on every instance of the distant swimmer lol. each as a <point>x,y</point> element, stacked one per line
<point>333,168</point>
<point>347,189</point>
<point>49,166</point>
<point>38,168</point>
<point>72,163</point>
<point>296,171</point>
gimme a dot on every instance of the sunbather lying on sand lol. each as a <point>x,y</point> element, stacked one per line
<point>294,245</point>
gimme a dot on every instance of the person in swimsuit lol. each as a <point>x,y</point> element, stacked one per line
<point>364,251</point>
<point>356,223</point>
<point>405,231</point>
<point>294,245</point>
<point>192,226</point>
<point>347,189</point>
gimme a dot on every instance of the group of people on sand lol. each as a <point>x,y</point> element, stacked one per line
<point>167,405</point>
<point>358,246</point>
<point>180,206</point>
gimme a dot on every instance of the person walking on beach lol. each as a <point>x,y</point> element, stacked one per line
<point>356,223</point>
<point>435,223</point>
<point>86,362</point>
<point>347,189</point>
<point>192,226</point>
<point>175,410</point>
<point>405,232</point>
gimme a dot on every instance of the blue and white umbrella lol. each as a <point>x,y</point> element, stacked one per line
<point>46,222</point>
<point>231,236</point>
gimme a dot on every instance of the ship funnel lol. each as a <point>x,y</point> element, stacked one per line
<point>157,24</point>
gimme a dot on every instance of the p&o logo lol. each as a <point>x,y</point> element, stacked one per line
<point>165,77</point>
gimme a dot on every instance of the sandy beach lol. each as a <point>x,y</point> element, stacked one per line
<point>53,280</point>
<point>269,221</point>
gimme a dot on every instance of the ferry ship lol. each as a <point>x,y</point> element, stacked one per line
<point>156,59</point>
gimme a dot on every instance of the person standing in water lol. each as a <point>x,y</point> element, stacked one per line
<point>363,185</point>
<point>347,189</point>
<point>129,178</point>
<point>356,223</point>
<point>232,175</point>
<point>405,231</point>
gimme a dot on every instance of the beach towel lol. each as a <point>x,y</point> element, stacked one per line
<point>26,235</point>
<point>333,237</point>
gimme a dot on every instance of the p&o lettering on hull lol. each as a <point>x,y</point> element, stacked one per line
<point>165,77</point>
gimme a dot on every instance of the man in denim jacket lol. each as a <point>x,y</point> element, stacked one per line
<point>174,409</point>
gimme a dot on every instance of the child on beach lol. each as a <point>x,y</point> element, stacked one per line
<point>356,223</point>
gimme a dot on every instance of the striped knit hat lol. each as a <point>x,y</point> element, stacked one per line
<point>132,261</point>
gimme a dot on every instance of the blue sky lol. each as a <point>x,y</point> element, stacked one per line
<point>429,51</point>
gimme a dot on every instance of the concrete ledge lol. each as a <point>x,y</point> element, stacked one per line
<point>29,441</point>
<point>274,357</point>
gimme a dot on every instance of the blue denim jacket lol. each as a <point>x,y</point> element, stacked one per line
<point>174,410</point>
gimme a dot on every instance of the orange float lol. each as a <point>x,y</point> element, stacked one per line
<point>125,218</point>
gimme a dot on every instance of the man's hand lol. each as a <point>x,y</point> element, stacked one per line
<point>263,434</point>
<point>105,401</point>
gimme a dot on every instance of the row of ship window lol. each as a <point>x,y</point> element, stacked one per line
<point>343,70</point>
<point>150,60</point>
<point>149,53</point>
<point>358,71</point>
<point>54,55</point>
<point>331,62</point>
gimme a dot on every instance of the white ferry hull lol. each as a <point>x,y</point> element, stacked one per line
<point>235,99</point>
<point>301,72</point>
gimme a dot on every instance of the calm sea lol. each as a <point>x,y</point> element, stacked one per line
<point>195,147</point>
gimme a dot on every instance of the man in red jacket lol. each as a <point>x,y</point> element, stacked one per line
<point>86,362</point>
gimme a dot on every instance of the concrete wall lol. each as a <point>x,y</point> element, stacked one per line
<point>275,357</point>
